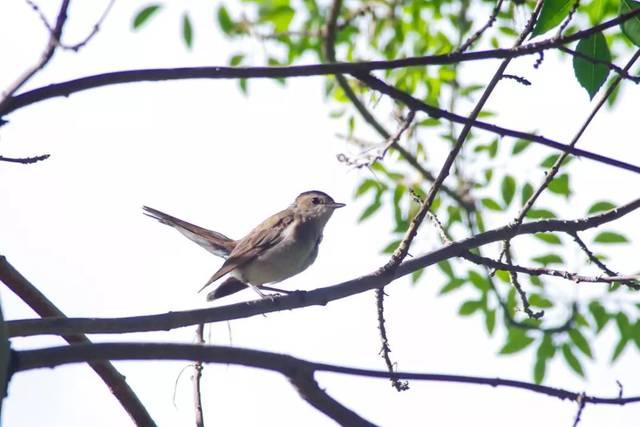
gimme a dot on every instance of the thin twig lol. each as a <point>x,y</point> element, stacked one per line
<point>475,36</point>
<point>551,173</point>
<point>77,46</point>
<point>630,281</point>
<point>25,160</point>
<point>391,142</point>
<point>403,248</point>
<point>197,377</point>
<point>513,275</point>
<point>46,55</point>
<point>610,65</point>
<point>594,259</point>
<point>581,404</point>
<point>386,349</point>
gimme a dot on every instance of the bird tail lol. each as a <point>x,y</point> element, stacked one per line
<point>228,287</point>
<point>214,242</point>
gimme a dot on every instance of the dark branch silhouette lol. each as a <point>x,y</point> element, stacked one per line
<point>298,299</point>
<point>284,364</point>
<point>113,379</point>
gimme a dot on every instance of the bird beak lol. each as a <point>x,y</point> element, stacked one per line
<point>336,205</point>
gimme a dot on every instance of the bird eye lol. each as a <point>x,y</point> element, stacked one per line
<point>315,201</point>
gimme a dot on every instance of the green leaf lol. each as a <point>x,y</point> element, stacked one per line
<point>631,27</point>
<point>280,17</point>
<point>527,192</point>
<point>415,276</point>
<point>490,320</point>
<point>508,189</point>
<point>540,214</point>
<point>551,159</point>
<point>370,210</point>
<point>548,238</point>
<point>601,207</point>
<point>538,300</point>
<point>391,247</point>
<point>580,341</point>
<point>446,268</point>
<point>572,360</point>
<point>491,204</point>
<point>600,315</point>
<point>624,326</point>
<point>236,59</point>
<point>539,369</point>
<point>546,349</point>
<point>520,146</point>
<point>503,276</point>
<point>552,14</point>
<point>187,31</point>
<point>592,75</point>
<point>366,185</point>
<point>451,285</point>
<point>479,281</point>
<point>517,340</point>
<point>548,259</point>
<point>144,15</point>
<point>224,20</point>
<point>610,237</point>
<point>617,351</point>
<point>560,185</point>
<point>469,307</point>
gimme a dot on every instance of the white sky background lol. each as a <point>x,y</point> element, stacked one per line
<point>202,151</point>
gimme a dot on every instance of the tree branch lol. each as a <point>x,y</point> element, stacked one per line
<point>284,364</point>
<point>299,372</point>
<point>106,371</point>
<point>25,160</point>
<point>7,95</point>
<point>299,299</point>
<point>631,281</point>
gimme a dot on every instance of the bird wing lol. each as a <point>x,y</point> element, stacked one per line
<point>267,234</point>
<point>214,242</point>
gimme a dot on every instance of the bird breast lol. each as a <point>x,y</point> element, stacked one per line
<point>296,251</point>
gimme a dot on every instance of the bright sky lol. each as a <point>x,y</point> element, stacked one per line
<point>204,152</point>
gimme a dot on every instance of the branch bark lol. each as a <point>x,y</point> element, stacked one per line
<point>289,366</point>
<point>299,299</point>
<point>106,371</point>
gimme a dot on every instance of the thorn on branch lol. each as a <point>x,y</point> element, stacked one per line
<point>581,399</point>
<point>538,62</point>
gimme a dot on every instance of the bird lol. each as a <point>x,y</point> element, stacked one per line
<point>280,247</point>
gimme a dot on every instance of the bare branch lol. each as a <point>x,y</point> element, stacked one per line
<point>594,259</point>
<point>299,372</point>
<point>197,377</point>
<point>417,104</point>
<point>25,160</point>
<point>114,380</point>
<point>403,248</point>
<point>299,299</point>
<point>475,36</point>
<point>551,173</point>
<point>386,349</point>
<point>581,404</point>
<point>77,46</point>
<point>518,287</point>
<point>286,365</point>
<point>47,54</point>
<point>630,281</point>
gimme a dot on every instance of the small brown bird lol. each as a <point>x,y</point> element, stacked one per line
<point>282,246</point>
